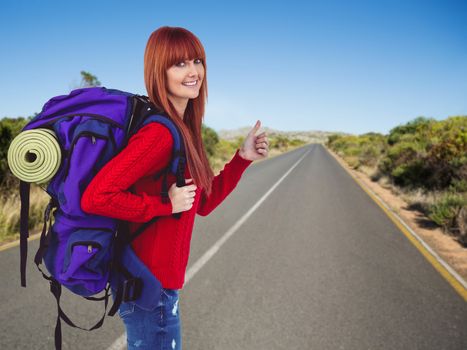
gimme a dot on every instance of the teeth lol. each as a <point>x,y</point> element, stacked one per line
<point>191,83</point>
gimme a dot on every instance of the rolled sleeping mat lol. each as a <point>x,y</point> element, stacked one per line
<point>34,155</point>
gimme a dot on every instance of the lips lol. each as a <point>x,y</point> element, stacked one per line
<point>190,83</point>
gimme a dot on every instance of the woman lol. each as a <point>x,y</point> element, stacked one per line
<point>175,78</point>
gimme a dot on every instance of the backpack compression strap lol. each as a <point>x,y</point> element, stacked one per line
<point>24,188</point>
<point>56,290</point>
<point>45,235</point>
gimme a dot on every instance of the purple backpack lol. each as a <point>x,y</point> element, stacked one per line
<point>89,254</point>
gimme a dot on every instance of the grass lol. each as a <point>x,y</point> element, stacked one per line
<point>10,210</point>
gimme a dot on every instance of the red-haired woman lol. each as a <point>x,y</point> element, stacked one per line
<point>175,78</point>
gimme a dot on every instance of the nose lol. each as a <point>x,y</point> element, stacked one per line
<point>192,69</point>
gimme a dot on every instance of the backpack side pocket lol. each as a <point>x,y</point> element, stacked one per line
<point>86,263</point>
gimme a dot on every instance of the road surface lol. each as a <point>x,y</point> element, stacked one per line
<point>315,265</point>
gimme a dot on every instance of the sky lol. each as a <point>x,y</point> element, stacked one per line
<point>345,66</point>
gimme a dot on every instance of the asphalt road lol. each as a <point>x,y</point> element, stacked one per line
<point>318,265</point>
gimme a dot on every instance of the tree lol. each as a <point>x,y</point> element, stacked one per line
<point>87,79</point>
<point>210,139</point>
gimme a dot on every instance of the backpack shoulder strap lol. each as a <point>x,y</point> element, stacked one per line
<point>178,151</point>
<point>145,112</point>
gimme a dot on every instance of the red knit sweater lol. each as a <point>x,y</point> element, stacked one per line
<point>165,245</point>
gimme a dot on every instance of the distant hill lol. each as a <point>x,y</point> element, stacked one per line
<point>312,136</point>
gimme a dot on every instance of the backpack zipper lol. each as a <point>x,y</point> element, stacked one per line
<point>90,244</point>
<point>93,140</point>
<point>95,116</point>
<point>133,109</point>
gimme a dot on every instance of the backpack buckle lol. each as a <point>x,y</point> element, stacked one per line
<point>132,289</point>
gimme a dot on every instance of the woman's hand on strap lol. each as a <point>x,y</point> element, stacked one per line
<point>182,198</point>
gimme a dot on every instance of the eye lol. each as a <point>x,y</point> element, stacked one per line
<point>183,63</point>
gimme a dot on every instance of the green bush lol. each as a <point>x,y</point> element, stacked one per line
<point>422,154</point>
<point>458,185</point>
<point>446,210</point>
<point>446,154</point>
<point>278,142</point>
<point>427,153</point>
<point>210,140</point>
<point>409,128</point>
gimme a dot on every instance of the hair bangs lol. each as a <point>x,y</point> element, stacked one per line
<point>184,46</point>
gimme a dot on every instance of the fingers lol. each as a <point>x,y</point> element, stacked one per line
<point>187,188</point>
<point>262,144</point>
<point>191,188</point>
<point>263,137</point>
<point>189,200</point>
<point>189,191</point>
<point>256,127</point>
<point>262,150</point>
<point>262,141</point>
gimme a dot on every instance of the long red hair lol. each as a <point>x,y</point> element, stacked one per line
<point>165,47</point>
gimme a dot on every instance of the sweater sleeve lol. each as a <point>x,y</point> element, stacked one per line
<point>223,184</point>
<point>150,149</point>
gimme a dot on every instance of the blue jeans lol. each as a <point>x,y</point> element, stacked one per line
<point>159,329</point>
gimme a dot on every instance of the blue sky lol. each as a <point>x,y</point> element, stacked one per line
<point>351,66</point>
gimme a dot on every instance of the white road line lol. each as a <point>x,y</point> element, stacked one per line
<point>120,343</point>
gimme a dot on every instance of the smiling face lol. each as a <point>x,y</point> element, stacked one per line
<point>184,80</point>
